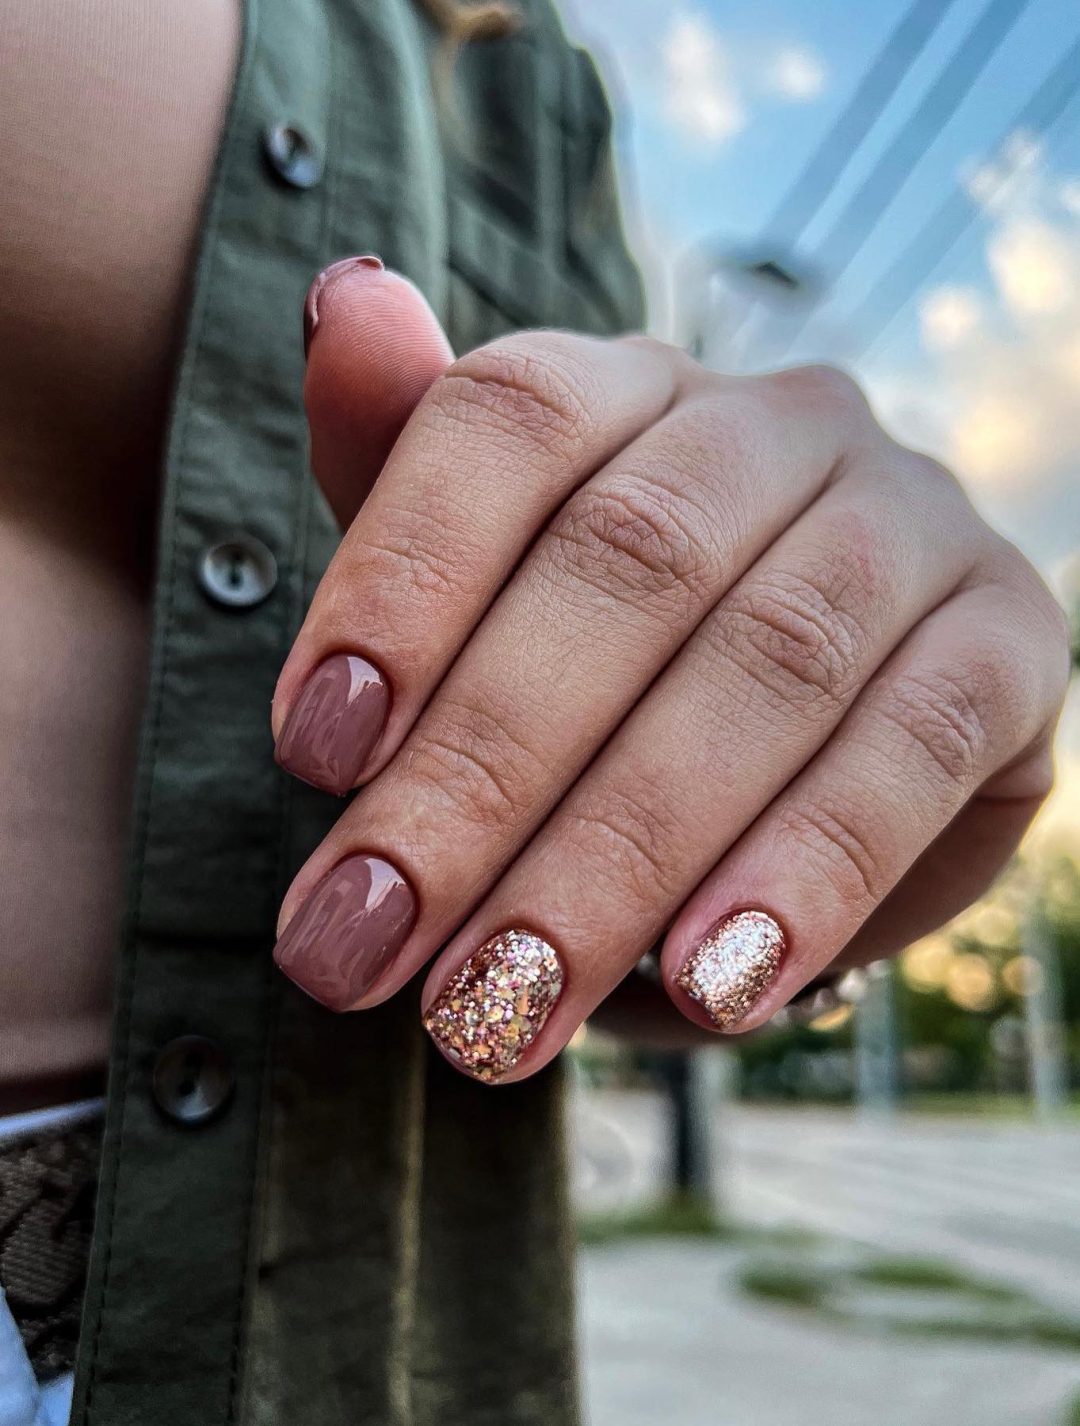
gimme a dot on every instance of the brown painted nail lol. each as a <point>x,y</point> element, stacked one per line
<point>347,931</point>
<point>734,966</point>
<point>335,722</point>
<point>497,1003</point>
<point>311,301</point>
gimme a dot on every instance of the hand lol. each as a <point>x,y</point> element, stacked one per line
<point>620,649</point>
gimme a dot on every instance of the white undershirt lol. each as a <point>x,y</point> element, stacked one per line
<point>59,1116</point>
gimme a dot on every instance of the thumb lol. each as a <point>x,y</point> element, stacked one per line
<point>374,346</point>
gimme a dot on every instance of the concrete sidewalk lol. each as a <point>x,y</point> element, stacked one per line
<point>671,1340</point>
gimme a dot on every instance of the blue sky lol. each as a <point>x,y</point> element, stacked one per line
<point>779,72</point>
<point>720,105</point>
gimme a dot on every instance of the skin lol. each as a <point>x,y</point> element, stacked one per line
<point>111,112</point>
<point>662,644</point>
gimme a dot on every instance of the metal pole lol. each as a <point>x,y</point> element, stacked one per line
<point>696,1083</point>
<point>877,1074</point>
<point>1047,1071</point>
<point>688,1157</point>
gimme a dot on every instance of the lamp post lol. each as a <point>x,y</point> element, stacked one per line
<point>1047,1072</point>
<point>877,1062</point>
<point>734,308</point>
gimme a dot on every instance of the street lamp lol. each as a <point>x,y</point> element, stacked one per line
<point>737,308</point>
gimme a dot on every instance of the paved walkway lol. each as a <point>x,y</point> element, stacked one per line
<point>670,1340</point>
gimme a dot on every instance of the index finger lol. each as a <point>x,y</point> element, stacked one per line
<point>492,450</point>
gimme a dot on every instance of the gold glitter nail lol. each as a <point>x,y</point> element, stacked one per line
<point>497,1003</point>
<point>734,965</point>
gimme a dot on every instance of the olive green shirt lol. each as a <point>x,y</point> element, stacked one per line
<point>304,1218</point>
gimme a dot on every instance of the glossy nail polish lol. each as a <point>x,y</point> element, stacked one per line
<point>347,931</point>
<point>334,724</point>
<point>311,301</point>
<point>734,966</point>
<point>496,1004</point>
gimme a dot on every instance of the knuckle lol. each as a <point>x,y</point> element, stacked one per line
<point>523,390</point>
<point>929,471</point>
<point>1044,623</point>
<point>676,358</point>
<point>633,535</point>
<point>825,389</point>
<point>642,341</point>
<point>1060,654</point>
<point>797,638</point>
<point>410,560</point>
<point>945,716</point>
<point>1047,612</point>
<point>840,850</point>
<point>722,431</point>
<point>471,766</point>
<point>936,493</point>
<point>633,843</point>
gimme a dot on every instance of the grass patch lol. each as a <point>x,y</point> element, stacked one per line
<point>789,1286</point>
<point>929,1275</point>
<point>1037,1328</point>
<point>685,1216</point>
<point>977,1308</point>
<point>982,1106</point>
<point>790,1267</point>
<point>675,1217</point>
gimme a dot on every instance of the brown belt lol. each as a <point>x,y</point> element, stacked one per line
<point>48,1179</point>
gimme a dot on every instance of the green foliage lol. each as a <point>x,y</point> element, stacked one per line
<point>971,1307</point>
<point>791,1268</point>
<point>930,1275</point>
<point>947,1049</point>
<point>684,1216</point>
<point>678,1216</point>
<point>777,1282</point>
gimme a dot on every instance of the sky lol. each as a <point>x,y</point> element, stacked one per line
<point>719,106</point>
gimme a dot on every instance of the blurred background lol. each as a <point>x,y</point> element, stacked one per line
<point>868,1213</point>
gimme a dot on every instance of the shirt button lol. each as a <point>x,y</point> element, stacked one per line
<point>291,154</point>
<point>193,1079</point>
<point>238,572</point>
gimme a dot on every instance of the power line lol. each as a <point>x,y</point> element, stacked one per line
<point>885,180</point>
<point>955,215</point>
<point>813,185</point>
<point>942,99</point>
<point>877,86</point>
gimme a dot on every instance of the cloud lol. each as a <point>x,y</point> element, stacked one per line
<point>1011,180</point>
<point>1068,195</point>
<point>677,64</point>
<point>700,95</point>
<point>797,74</point>
<point>948,317</point>
<point>998,395</point>
<point>1036,268</point>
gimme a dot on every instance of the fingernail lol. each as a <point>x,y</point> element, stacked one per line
<point>496,1004</point>
<point>734,966</point>
<point>347,931</point>
<point>335,722</point>
<point>311,301</point>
